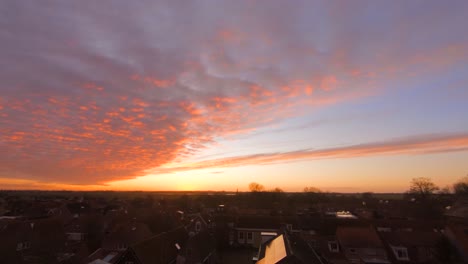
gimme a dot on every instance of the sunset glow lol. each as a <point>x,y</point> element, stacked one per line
<point>212,95</point>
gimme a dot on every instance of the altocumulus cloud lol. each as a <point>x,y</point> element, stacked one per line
<point>95,91</point>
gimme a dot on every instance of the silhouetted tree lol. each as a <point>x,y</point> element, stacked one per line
<point>444,190</point>
<point>256,187</point>
<point>311,190</point>
<point>277,190</point>
<point>367,196</point>
<point>422,187</point>
<point>461,186</point>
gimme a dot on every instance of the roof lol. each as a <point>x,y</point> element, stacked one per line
<point>411,239</point>
<point>203,243</point>
<point>129,233</point>
<point>160,248</point>
<point>301,251</point>
<point>459,233</point>
<point>416,225</point>
<point>358,237</point>
<point>264,222</point>
<point>275,251</point>
<point>459,209</point>
<point>287,249</point>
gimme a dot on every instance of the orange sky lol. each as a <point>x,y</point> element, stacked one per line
<point>164,96</point>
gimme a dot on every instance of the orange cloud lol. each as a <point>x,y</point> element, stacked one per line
<point>121,104</point>
<point>423,144</point>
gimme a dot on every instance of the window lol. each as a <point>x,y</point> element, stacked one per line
<point>401,253</point>
<point>241,235</point>
<point>333,246</point>
<point>289,227</point>
<point>384,229</point>
<point>121,246</point>
<point>22,245</point>
<point>26,245</point>
<point>249,236</point>
<point>197,226</point>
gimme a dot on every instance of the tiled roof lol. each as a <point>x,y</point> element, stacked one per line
<point>358,237</point>
<point>160,248</point>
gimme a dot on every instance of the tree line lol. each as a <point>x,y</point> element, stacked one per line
<point>420,186</point>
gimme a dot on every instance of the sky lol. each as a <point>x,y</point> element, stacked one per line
<point>344,96</point>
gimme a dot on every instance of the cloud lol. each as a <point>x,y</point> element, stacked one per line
<point>100,91</point>
<point>422,144</point>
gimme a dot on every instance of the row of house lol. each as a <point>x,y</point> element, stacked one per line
<point>186,244</point>
<point>348,239</point>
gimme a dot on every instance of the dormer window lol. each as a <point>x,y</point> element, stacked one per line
<point>197,226</point>
<point>401,253</point>
<point>333,246</point>
<point>121,246</point>
<point>384,229</point>
<point>22,245</point>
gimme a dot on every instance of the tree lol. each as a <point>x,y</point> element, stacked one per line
<point>311,190</point>
<point>277,190</point>
<point>461,186</point>
<point>256,187</point>
<point>423,187</point>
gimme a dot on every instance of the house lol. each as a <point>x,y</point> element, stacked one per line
<point>459,210</point>
<point>83,226</point>
<point>103,256</point>
<point>287,249</point>
<point>361,245</point>
<point>457,234</point>
<point>414,247</point>
<point>75,230</point>
<point>26,240</point>
<point>326,246</point>
<point>248,229</point>
<point>159,249</point>
<point>77,209</point>
<point>199,248</point>
<point>195,223</point>
<point>124,235</point>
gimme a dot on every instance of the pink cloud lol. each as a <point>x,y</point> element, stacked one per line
<point>107,94</point>
<point>423,144</point>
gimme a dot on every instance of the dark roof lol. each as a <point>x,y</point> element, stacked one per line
<point>203,243</point>
<point>459,209</point>
<point>400,224</point>
<point>128,233</point>
<point>358,237</point>
<point>265,222</point>
<point>160,248</point>
<point>411,239</point>
<point>300,250</point>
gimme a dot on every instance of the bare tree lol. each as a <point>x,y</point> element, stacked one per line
<point>461,186</point>
<point>423,187</point>
<point>256,187</point>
